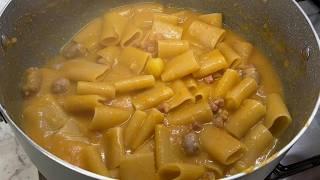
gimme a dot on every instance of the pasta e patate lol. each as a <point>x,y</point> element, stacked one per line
<point>149,92</point>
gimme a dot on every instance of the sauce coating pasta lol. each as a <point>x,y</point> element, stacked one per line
<point>156,93</point>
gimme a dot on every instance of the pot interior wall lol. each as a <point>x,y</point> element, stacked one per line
<point>275,27</point>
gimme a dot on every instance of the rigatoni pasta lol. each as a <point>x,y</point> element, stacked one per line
<point>107,117</point>
<point>249,113</point>
<point>180,66</point>
<point>93,161</point>
<point>109,54</point>
<point>257,141</point>
<point>139,166</point>
<point>78,103</point>
<point>214,19</point>
<point>134,83</point>
<point>114,147</point>
<point>133,127</point>
<point>168,18</point>
<point>102,89</point>
<point>232,57</point>
<point>150,92</point>
<point>113,26</point>
<point>166,30</point>
<point>171,48</point>
<point>89,36</point>
<point>82,70</point>
<point>166,152</point>
<point>147,127</point>
<point>199,112</point>
<point>131,36</point>
<point>240,92</point>
<point>226,149</point>
<point>277,118</point>
<point>135,59</point>
<point>204,34</point>
<point>229,79</point>
<point>152,97</point>
<point>181,95</point>
<point>210,63</point>
<point>180,171</point>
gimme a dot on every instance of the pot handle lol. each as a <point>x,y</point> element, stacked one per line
<point>282,171</point>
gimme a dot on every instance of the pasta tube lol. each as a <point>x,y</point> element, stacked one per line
<point>133,127</point>
<point>249,113</point>
<point>131,36</point>
<point>181,171</point>
<point>147,129</point>
<point>78,103</point>
<point>113,27</point>
<point>102,89</point>
<point>134,83</point>
<point>257,141</point>
<point>191,83</point>
<point>226,149</point>
<point>202,92</point>
<point>138,166</point>
<point>232,57</point>
<point>180,66</point>
<point>152,97</point>
<point>133,58</point>
<point>113,147</point>
<point>167,18</point>
<point>181,95</point>
<point>214,19</point>
<point>93,161</point>
<point>199,112</point>
<point>229,79</point>
<point>277,118</point>
<point>110,54</point>
<point>166,30</point>
<point>240,92</point>
<point>204,34</point>
<point>89,36</point>
<point>44,110</point>
<point>171,48</point>
<point>244,49</point>
<point>166,152</point>
<point>106,117</point>
<point>82,70</point>
<point>210,63</point>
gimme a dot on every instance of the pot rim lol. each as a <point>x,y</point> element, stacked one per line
<point>239,175</point>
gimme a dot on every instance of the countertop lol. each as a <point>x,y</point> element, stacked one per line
<point>14,163</point>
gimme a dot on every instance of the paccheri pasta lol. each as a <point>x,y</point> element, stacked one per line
<point>147,92</point>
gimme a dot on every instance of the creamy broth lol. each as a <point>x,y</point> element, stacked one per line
<point>151,92</point>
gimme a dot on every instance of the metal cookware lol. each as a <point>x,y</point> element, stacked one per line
<point>279,28</point>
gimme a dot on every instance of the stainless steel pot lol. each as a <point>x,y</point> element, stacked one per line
<point>279,28</point>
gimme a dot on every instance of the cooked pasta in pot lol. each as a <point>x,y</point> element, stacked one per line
<point>149,92</point>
